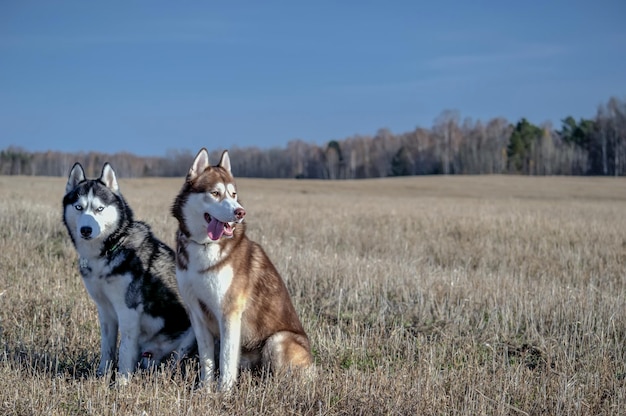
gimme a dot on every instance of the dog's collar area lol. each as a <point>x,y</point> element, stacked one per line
<point>187,239</point>
<point>208,243</point>
<point>110,251</point>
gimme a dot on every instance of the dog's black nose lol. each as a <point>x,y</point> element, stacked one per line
<point>85,231</point>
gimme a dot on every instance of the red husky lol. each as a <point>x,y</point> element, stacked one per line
<point>230,287</point>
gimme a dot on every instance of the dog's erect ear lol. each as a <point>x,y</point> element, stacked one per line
<point>108,178</point>
<point>200,163</point>
<point>77,175</point>
<point>225,161</point>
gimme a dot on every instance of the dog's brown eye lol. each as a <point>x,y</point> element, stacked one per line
<point>234,194</point>
<point>215,193</point>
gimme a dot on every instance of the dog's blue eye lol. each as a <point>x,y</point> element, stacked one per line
<point>100,209</point>
<point>78,207</point>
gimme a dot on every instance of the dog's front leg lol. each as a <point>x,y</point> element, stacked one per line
<point>205,341</point>
<point>230,347</point>
<point>108,339</point>
<point>129,342</point>
<point>186,346</point>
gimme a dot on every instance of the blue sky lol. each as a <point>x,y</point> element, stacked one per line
<point>151,76</point>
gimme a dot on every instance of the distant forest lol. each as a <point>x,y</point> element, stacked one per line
<point>595,146</point>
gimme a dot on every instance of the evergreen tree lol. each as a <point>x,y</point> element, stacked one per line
<point>579,133</point>
<point>525,135</point>
<point>401,163</point>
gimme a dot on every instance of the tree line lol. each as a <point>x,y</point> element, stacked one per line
<point>595,146</point>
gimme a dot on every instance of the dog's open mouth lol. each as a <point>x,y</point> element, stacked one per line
<point>216,229</point>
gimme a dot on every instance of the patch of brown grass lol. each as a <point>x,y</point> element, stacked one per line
<point>421,295</point>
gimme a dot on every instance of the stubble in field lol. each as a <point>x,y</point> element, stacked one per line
<point>422,295</point>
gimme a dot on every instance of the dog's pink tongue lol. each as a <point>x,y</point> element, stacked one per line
<point>215,229</point>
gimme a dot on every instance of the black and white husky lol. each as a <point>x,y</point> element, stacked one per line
<point>129,274</point>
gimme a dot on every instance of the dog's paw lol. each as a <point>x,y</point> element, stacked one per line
<point>102,372</point>
<point>225,386</point>
<point>104,369</point>
<point>122,380</point>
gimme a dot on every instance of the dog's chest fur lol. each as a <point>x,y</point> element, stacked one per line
<point>102,285</point>
<point>201,281</point>
<point>107,290</point>
<point>110,293</point>
<point>95,267</point>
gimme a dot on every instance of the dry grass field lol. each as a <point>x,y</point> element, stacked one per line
<point>491,295</point>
